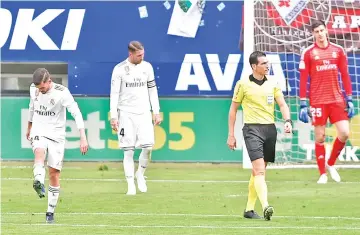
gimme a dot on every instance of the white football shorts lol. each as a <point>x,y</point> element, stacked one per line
<point>135,130</point>
<point>54,150</point>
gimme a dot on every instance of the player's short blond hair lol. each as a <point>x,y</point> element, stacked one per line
<point>135,46</point>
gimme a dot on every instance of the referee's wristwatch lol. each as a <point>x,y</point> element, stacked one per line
<point>291,123</point>
<point>289,120</point>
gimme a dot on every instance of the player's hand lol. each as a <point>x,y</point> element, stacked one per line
<point>288,126</point>
<point>157,119</point>
<point>114,124</point>
<point>304,112</point>
<point>83,145</point>
<point>350,107</point>
<point>231,142</point>
<point>28,134</point>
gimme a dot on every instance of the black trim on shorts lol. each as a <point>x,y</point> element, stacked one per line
<point>260,141</point>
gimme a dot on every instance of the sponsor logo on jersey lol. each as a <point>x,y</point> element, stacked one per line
<point>326,66</point>
<point>135,84</point>
<point>45,113</point>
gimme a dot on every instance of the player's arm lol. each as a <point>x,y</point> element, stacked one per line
<point>153,95</point>
<point>73,108</point>
<point>115,89</point>
<point>31,110</point>
<point>237,99</point>
<point>284,109</point>
<point>345,77</point>
<point>304,68</point>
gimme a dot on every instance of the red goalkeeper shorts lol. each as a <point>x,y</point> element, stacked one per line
<point>321,113</point>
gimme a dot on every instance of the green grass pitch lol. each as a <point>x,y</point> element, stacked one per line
<point>181,199</point>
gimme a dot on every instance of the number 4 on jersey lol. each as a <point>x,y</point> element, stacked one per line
<point>122,132</point>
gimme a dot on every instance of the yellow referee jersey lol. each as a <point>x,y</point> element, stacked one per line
<point>257,99</point>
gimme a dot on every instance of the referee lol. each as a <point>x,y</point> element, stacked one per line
<point>257,95</point>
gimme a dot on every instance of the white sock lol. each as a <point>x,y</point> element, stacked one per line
<point>39,172</point>
<point>129,165</point>
<point>144,160</point>
<point>53,196</point>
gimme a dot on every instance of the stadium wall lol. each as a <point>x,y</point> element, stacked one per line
<point>195,75</point>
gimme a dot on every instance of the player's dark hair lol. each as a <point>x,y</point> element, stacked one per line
<point>254,57</point>
<point>40,75</point>
<point>135,46</point>
<point>317,23</point>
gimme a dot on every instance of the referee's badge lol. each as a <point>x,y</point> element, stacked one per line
<point>270,99</point>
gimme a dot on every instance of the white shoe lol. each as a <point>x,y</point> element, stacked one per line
<point>131,189</point>
<point>141,182</point>
<point>333,173</point>
<point>323,179</point>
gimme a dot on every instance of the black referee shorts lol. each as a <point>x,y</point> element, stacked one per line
<point>260,141</point>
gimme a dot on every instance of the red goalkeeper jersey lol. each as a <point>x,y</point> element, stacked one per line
<point>323,65</point>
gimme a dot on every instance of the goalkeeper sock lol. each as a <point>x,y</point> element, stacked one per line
<point>39,172</point>
<point>261,190</point>
<point>252,196</point>
<point>129,165</point>
<point>337,147</point>
<point>320,157</point>
<point>53,196</point>
<point>144,160</point>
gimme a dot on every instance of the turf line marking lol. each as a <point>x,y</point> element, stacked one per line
<point>187,226</point>
<point>28,167</point>
<point>180,215</point>
<point>175,181</point>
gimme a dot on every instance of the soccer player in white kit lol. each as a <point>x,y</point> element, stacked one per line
<point>46,131</point>
<point>133,90</point>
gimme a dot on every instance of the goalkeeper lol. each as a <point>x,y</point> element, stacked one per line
<point>257,94</point>
<point>322,61</point>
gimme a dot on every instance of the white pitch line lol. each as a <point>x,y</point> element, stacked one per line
<point>28,167</point>
<point>187,226</point>
<point>179,215</point>
<point>176,181</point>
<point>122,180</point>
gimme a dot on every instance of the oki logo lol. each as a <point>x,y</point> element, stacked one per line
<point>26,26</point>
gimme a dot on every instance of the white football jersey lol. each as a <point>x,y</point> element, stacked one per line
<point>130,85</point>
<point>48,112</point>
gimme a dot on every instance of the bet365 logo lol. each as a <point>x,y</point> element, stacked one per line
<point>26,26</point>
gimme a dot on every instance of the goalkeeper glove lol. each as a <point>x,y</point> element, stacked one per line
<point>303,114</point>
<point>350,107</point>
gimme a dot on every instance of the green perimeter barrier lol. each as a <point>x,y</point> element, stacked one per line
<point>193,130</point>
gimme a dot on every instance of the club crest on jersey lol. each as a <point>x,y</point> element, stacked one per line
<point>52,102</point>
<point>127,69</point>
<point>289,9</point>
<point>334,54</point>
